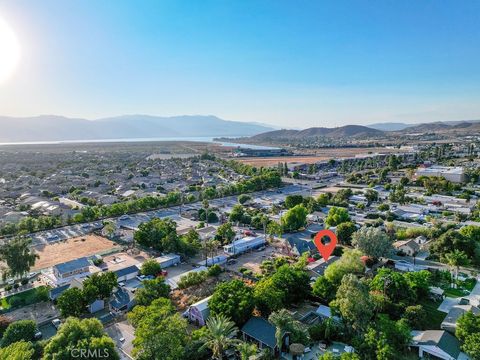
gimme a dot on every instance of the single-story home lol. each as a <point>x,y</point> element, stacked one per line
<point>261,332</point>
<point>438,344</point>
<point>409,246</point>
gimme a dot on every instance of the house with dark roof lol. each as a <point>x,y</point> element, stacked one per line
<point>122,300</point>
<point>127,273</point>
<point>301,246</point>
<point>259,331</point>
<point>437,344</point>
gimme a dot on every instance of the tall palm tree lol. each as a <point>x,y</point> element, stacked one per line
<point>282,321</point>
<point>456,259</point>
<point>206,205</point>
<point>246,350</point>
<point>220,335</point>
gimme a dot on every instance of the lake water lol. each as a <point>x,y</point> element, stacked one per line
<point>208,139</point>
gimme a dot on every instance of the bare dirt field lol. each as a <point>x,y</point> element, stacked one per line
<point>71,249</point>
<point>320,155</point>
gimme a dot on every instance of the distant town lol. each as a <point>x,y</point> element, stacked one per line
<point>200,250</point>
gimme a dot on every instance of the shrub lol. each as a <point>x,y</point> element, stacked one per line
<point>24,281</point>
<point>193,278</point>
<point>8,287</point>
<point>215,270</point>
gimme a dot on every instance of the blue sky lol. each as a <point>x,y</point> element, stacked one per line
<point>289,63</point>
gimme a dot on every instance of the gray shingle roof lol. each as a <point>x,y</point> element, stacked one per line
<point>443,340</point>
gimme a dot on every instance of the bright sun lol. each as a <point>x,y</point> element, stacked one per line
<point>9,51</point>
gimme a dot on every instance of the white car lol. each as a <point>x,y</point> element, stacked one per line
<point>56,323</point>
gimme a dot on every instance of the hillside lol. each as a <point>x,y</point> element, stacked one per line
<point>59,128</point>
<point>352,131</point>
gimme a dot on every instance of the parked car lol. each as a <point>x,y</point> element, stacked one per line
<point>56,323</point>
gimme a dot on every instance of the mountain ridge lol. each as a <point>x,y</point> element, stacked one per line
<point>61,128</point>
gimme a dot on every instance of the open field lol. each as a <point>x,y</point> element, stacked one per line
<point>319,155</point>
<point>70,249</point>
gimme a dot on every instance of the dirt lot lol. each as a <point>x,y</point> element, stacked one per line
<point>40,312</point>
<point>71,249</point>
<point>320,155</point>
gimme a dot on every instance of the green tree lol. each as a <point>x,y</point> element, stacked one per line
<point>20,350</point>
<point>282,321</point>
<point>336,216</point>
<point>71,302</point>
<point>450,241</point>
<point>160,332</point>
<point>349,263</point>
<point>371,196</point>
<point>19,330</point>
<point>455,259</point>
<point>237,214</point>
<point>353,303</point>
<point>234,300</point>
<point>18,256</point>
<point>372,242</point>
<point>467,324</point>
<point>225,233</point>
<point>267,297</point>
<point>323,289</point>
<point>416,317</point>
<point>104,282</point>
<point>295,218</point>
<point>243,198</point>
<point>86,334</point>
<point>151,267</point>
<point>220,335</point>
<point>345,231</point>
<point>393,285</point>
<point>151,290</point>
<point>160,234</point>
<point>246,350</point>
<point>471,346</point>
<point>293,200</point>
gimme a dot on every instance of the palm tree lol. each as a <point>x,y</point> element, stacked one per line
<point>220,335</point>
<point>282,320</point>
<point>246,350</point>
<point>206,205</point>
<point>456,259</point>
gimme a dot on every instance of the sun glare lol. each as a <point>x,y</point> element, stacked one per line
<point>9,51</point>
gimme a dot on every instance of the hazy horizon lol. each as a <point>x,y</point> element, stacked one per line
<point>322,64</point>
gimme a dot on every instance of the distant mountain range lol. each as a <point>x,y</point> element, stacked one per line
<point>59,128</point>
<point>398,126</point>
<point>451,128</point>
<point>353,131</point>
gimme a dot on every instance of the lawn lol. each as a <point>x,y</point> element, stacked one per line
<point>455,293</point>
<point>28,297</point>
<point>435,317</point>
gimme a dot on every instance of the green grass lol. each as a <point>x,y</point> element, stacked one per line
<point>435,317</point>
<point>28,297</point>
<point>454,293</point>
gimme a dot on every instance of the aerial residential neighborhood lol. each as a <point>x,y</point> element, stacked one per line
<point>238,253</point>
<point>239,180</point>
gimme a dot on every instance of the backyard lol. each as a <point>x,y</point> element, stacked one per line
<point>24,298</point>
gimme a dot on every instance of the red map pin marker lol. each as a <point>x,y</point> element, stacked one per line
<point>325,249</point>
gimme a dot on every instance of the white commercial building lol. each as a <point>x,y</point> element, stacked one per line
<point>450,173</point>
